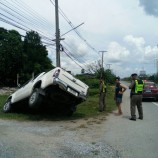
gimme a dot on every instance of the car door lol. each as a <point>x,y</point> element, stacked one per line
<point>23,92</point>
<point>26,89</point>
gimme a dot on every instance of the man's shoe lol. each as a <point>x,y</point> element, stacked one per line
<point>141,118</point>
<point>133,119</point>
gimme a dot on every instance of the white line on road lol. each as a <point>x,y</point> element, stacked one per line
<point>155,104</point>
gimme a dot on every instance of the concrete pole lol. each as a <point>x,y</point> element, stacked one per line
<point>102,62</point>
<point>57,34</point>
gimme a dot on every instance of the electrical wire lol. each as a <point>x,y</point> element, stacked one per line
<point>70,23</point>
<point>28,13</point>
<point>19,20</point>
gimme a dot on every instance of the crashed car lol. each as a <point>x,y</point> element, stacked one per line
<point>56,88</point>
<point>150,90</point>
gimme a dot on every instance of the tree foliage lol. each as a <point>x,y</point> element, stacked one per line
<point>96,68</point>
<point>10,55</point>
<point>35,54</point>
<point>21,57</point>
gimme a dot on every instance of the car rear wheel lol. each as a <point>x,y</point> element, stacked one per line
<point>35,99</point>
<point>7,106</point>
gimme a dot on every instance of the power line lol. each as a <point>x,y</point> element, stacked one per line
<point>70,23</point>
<point>20,19</point>
<point>31,15</point>
<point>73,59</point>
<point>76,56</point>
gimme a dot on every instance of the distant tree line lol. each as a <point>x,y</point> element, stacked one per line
<point>21,56</point>
<point>94,72</point>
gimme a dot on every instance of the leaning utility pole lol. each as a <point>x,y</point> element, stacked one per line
<point>103,51</point>
<point>102,57</point>
<point>57,35</point>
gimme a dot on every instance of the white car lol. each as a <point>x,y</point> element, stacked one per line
<point>56,88</point>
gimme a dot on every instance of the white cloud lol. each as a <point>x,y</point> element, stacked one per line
<point>117,53</point>
<point>136,41</point>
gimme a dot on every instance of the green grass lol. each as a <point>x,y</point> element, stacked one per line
<point>90,107</point>
<point>87,109</point>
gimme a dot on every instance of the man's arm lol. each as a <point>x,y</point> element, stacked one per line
<point>132,84</point>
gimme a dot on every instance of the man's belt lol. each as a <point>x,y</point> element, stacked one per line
<point>136,93</point>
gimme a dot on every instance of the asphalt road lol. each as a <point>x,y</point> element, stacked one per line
<point>134,139</point>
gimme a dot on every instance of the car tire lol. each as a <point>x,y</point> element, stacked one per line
<point>7,106</point>
<point>35,99</point>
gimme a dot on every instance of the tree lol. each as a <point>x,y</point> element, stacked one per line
<point>21,57</point>
<point>10,55</point>
<point>96,68</point>
<point>82,71</point>
<point>35,55</point>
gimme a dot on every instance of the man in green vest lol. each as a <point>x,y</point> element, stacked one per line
<point>102,95</point>
<point>136,87</point>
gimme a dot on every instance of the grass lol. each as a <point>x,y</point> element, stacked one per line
<point>90,107</point>
<point>87,109</point>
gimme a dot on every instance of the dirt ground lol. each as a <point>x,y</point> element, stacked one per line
<point>75,138</point>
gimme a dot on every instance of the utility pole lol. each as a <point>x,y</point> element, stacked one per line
<point>103,51</point>
<point>108,66</point>
<point>57,34</point>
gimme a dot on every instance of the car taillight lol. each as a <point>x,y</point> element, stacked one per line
<point>56,73</point>
<point>155,90</point>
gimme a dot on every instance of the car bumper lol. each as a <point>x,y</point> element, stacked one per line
<point>64,86</point>
<point>150,95</point>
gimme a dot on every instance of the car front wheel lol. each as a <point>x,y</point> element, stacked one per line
<point>35,99</point>
<point>7,106</point>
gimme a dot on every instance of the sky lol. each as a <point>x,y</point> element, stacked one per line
<point>125,29</point>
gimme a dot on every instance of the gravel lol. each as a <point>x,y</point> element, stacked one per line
<point>65,139</point>
<point>7,90</point>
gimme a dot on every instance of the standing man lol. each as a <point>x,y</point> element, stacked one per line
<point>102,95</point>
<point>136,87</point>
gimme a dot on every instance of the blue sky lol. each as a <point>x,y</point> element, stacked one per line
<point>126,29</point>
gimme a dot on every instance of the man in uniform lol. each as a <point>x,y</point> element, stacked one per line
<point>102,94</point>
<point>136,87</point>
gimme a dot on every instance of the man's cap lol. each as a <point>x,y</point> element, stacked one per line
<point>132,75</point>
